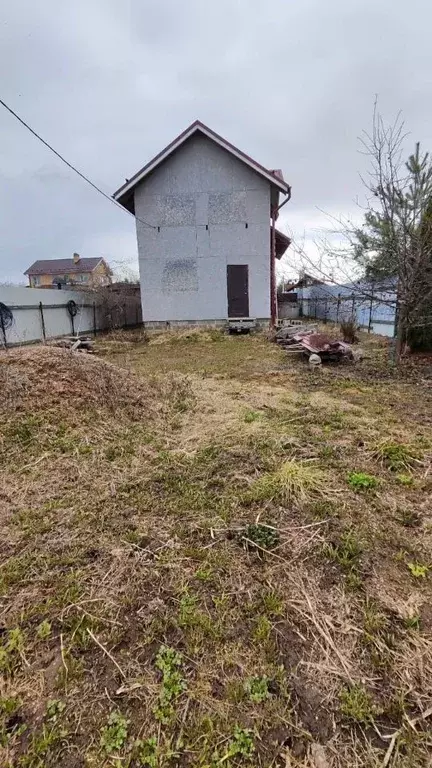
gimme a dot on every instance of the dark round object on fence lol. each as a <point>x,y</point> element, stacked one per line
<point>72,308</point>
<point>6,317</point>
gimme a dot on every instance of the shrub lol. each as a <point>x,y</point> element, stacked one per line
<point>349,330</point>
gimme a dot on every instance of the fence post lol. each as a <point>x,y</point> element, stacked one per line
<point>3,330</point>
<point>94,319</point>
<point>370,310</point>
<point>338,307</point>
<point>42,321</point>
<point>325,309</point>
<point>353,311</point>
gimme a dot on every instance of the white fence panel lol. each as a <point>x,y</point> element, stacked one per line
<point>40,314</point>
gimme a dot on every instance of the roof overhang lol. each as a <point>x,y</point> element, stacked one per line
<point>124,195</point>
<point>282,243</point>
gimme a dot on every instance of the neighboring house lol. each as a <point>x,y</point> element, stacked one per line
<point>205,217</point>
<point>55,273</point>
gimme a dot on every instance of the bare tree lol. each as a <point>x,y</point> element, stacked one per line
<point>393,245</point>
<point>396,238</point>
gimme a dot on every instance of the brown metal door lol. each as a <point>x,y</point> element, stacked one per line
<point>238,290</point>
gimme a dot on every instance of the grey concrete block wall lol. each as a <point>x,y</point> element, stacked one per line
<point>183,266</point>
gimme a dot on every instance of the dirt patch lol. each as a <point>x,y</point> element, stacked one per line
<point>312,710</point>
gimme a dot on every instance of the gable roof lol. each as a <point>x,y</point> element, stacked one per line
<point>62,266</point>
<point>124,195</point>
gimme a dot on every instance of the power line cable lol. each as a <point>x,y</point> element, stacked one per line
<point>72,167</point>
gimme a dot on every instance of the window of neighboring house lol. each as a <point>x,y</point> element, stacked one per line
<point>83,278</point>
<point>36,280</point>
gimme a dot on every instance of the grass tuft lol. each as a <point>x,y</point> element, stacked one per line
<point>395,456</point>
<point>357,704</point>
<point>294,482</point>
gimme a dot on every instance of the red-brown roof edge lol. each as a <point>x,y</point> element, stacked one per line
<point>198,124</point>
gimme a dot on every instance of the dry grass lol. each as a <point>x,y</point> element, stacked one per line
<point>136,627</point>
<point>293,482</point>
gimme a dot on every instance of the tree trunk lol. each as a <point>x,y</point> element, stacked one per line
<point>400,331</point>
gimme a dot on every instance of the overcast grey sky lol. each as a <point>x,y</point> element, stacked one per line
<point>110,83</point>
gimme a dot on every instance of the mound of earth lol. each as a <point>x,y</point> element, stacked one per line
<point>45,377</point>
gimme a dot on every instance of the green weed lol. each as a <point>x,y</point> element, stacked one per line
<point>357,704</point>
<point>328,452</point>
<point>251,416</point>
<point>396,456</point>
<point>361,481</point>
<point>153,752</point>
<point>418,571</point>
<point>190,617</point>
<point>169,662</point>
<point>353,581</point>
<point>257,689</point>
<point>374,621</point>
<point>404,479</point>
<point>272,603</point>
<point>12,650</point>
<point>241,745</point>
<point>147,752</point>
<point>10,724</point>
<point>54,709</point>
<point>412,622</point>
<point>262,629</point>
<point>114,734</point>
<point>346,552</point>
<point>322,510</point>
<point>23,429</point>
<point>43,631</point>
<point>264,536</point>
<point>41,745</point>
<point>205,573</point>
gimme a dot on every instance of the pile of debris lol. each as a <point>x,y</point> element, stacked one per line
<point>317,346</point>
<point>74,343</point>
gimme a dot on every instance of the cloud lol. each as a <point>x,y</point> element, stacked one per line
<point>109,84</point>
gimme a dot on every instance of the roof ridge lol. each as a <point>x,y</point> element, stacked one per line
<point>122,194</point>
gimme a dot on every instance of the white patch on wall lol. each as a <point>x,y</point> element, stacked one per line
<point>226,207</point>
<point>176,209</point>
<point>180,275</point>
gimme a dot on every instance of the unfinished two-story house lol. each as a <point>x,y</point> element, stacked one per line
<point>207,241</point>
